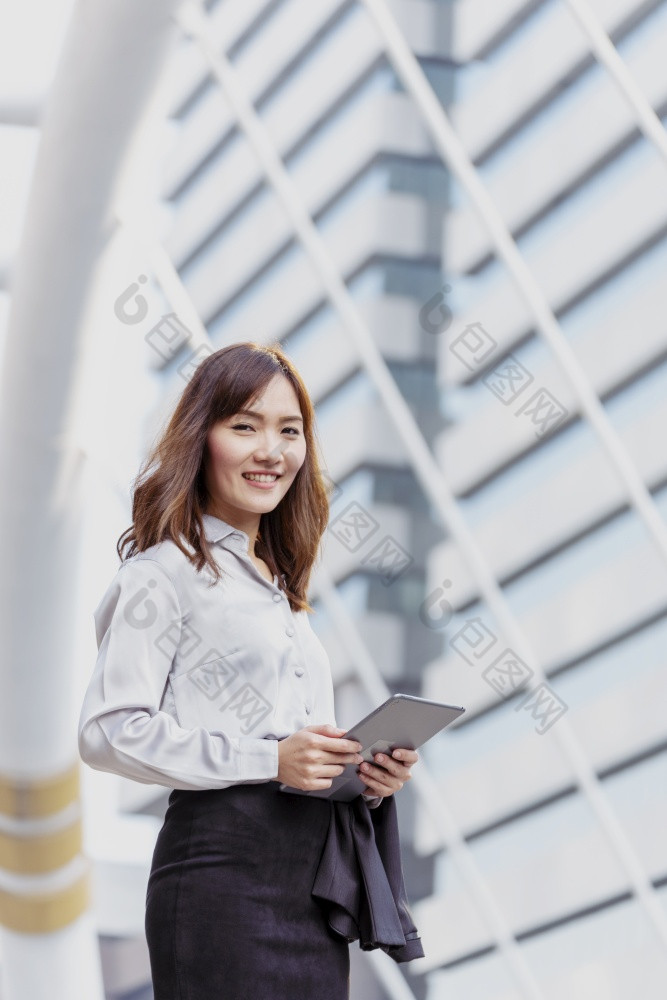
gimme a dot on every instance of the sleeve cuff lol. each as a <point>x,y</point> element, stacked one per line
<point>258,759</point>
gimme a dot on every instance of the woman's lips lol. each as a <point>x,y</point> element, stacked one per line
<point>261,486</point>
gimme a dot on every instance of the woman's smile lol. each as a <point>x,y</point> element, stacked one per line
<point>265,483</point>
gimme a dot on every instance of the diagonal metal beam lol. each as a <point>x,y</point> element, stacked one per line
<point>607,55</point>
<point>164,271</point>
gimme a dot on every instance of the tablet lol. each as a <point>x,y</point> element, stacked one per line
<point>401,721</point>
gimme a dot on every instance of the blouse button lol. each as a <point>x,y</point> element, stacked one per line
<point>307,710</point>
<point>299,671</point>
<point>289,630</point>
<point>277,597</point>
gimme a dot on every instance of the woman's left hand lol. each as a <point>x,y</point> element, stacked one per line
<point>390,773</point>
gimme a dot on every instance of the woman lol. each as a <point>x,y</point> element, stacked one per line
<point>210,680</point>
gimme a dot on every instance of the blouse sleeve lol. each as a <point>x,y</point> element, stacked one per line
<point>121,726</point>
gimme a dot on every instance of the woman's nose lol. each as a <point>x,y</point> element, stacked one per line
<point>270,450</point>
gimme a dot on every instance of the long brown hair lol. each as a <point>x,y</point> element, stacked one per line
<point>169,492</point>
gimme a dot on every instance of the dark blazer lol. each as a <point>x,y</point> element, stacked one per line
<point>359,879</point>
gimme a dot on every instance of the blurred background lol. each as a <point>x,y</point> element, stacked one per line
<point>452,215</point>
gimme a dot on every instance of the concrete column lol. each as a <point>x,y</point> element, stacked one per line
<point>107,72</point>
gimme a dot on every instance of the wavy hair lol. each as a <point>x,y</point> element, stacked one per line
<point>169,495</point>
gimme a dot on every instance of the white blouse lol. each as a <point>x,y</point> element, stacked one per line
<point>195,683</point>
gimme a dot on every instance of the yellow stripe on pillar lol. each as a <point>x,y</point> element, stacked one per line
<point>40,913</point>
<point>31,854</point>
<point>30,798</point>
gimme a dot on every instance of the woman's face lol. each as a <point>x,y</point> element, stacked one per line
<point>270,440</point>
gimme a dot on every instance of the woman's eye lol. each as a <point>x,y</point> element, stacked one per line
<point>237,427</point>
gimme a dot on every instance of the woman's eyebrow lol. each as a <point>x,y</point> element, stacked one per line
<point>260,416</point>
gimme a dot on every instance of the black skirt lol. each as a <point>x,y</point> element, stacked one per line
<point>229,910</point>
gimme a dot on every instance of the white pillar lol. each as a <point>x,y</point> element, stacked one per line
<point>108,66</point>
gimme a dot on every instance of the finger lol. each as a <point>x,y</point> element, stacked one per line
<point>345,758</point>
<point>328,729</point>
<point>395,767</point>
<point>335,744</point>
<point>382,783</point>
<point>329,770</point>
<point>380,774</point>
<point>405,755</point>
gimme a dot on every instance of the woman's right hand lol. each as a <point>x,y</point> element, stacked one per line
<point>312,757</point>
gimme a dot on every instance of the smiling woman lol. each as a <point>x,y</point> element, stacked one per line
<point>245,410</point>
<point>249,467</point>
<point>210,680</point>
